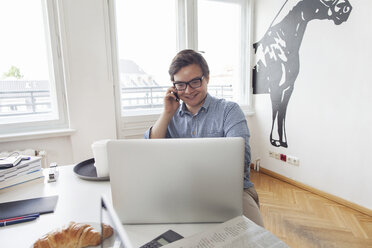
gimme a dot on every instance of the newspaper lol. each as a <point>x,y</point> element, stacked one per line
<point>239,232</point>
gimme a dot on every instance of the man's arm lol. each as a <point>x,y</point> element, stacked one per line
<point>159,130</point>
<point>236,126</point>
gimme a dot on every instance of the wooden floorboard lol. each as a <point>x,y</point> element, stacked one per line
<point>303,219</point>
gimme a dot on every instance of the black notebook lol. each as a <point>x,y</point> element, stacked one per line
<point>41,205</point>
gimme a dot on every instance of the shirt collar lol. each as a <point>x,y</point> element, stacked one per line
<point>182,109</point>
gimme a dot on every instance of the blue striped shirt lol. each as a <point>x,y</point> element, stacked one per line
<point>216,118</point>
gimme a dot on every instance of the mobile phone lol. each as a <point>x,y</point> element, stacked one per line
<point>177,98</point>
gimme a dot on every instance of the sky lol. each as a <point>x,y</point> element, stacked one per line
<point>22,42</point>
<point>147,35</point>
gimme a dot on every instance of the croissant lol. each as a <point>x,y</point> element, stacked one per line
<point>75,235</point>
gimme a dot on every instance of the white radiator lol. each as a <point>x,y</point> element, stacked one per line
<point>29,152</point>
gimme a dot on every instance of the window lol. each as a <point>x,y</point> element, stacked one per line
<point>220,35</point>
<point>146,43</point>
<point>31,81</point>
<point>147,34</point>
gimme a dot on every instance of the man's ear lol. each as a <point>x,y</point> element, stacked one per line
<point>207,79</point>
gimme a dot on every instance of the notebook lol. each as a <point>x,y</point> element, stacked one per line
<point>41,205</point>
<point>176,180</point>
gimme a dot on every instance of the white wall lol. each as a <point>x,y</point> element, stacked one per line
<point>329,117</point>
<point>89,85</point>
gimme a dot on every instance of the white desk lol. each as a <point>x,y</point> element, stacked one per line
<point>79,201</point>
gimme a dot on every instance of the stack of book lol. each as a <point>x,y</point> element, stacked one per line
<point>17,171</point>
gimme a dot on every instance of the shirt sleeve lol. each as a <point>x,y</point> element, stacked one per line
<point>235,125</point>
<point>147,134</point>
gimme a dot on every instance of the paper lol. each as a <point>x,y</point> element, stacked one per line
<point>22,166</point>
<point>8,161</point>
<point>239,232</point>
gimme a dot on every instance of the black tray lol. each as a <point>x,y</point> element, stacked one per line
<point>86,170</point>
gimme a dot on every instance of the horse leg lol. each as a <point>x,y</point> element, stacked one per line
<point>275,110</point>
<point>286,95</point>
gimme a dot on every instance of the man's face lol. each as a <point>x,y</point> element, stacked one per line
<point>193,98</point>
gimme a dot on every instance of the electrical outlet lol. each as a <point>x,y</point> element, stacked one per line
<point>296,161</point>
<point>293,160</point>
<point>283,157</point>
<point>289,160</point>
<point>271,154</point>
<point>277,155</point>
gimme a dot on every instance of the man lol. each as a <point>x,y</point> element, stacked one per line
<point>201,115</point>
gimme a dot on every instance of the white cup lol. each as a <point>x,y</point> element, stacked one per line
<point>100,157</point>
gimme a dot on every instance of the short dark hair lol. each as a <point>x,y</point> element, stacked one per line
<point>188,57</point>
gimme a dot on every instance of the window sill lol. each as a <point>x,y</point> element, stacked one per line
<point>139,116</point>
<point>249,113</point>
<point>151,113</point>
<point>247,110</point>
<point>144,112</point>
<point>36,135</point>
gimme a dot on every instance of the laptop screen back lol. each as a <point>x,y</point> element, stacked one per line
<point>108,216</point>
<point>176,180</point>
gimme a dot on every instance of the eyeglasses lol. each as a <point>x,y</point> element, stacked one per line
<point>193,83</point>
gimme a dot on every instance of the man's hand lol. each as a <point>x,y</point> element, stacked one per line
<point>171,105</point>
<point>171,102</point>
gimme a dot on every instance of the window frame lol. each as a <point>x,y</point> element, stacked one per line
<point>245,46</point>
<point>53,25</point>
<point>133,125</point>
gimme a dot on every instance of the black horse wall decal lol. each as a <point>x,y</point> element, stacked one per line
<point>277,56</point>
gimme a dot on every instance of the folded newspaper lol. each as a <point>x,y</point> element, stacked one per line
<point>239,232</point>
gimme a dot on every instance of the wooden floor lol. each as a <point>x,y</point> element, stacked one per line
<point>303,219</point>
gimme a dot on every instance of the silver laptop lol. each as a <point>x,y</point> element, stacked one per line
<point>108,216</point>
<point>176,180</point>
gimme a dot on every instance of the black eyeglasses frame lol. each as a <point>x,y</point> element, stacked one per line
<point>200,79</point>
